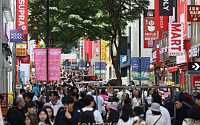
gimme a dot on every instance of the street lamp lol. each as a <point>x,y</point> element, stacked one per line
<point>139,17</point>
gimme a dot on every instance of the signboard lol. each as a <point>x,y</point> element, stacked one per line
<point>196,82</point>
<point>22,15</point>
<point>103,50</point>
<point>181,59</point>
<point>99,68</point>
<point>161,22</point>
<point>88,46</point>
<point>150,34</point>
<point>4,103</point>
<point>54,57</point>
<point>145,67</point>
<point>25,60</point>
<point>124,60</point>
<point>40,63</point>
<point>175,39</point>
<point>16,36</point>
<point>155,56</point>
<point>68,56</point>
<point>193,67</point>
<point>21,50</point>
<point>194,52</point>
<point>135,68</point>
<point>193,13</point>
<point>165,7</point>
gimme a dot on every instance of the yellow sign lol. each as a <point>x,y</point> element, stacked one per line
<point>21,49</point>
<point>103,51</point>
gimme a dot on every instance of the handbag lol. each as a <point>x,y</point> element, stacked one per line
<point>157,120</point>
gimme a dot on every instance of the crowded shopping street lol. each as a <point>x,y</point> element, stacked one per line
<point>99,62</point>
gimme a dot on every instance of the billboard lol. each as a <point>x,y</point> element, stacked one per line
<point>40,63</point>
<point>22,15</point>
<point>175,39</point>
<point>150,34</point>
<point>54,57</point>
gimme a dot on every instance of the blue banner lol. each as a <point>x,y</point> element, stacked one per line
<point>135,68</point>
<point>67,63</point>
<point>81,64</point>
<point>98,69</point>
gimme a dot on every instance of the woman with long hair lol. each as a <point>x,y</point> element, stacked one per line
<point>31,119</point>
<point>113,117</point>
<point>127,115</point>
<point>50,114</point>
<point>43,117</point>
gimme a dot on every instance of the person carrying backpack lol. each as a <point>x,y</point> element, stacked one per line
<point>88,113</point>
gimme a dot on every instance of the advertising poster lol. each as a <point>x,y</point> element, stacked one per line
<point>21,50</point>
<point>40,62</point>
<point>54,57</point>
<point>103,51</point>
<point>22,15</point>
<point>145,67</point>
<point>150,34</point>
<point>98,69</point>
<point>88,47</point>
<point>135,68</point>
<point>193,12</point>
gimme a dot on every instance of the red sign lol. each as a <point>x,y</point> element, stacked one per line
<point>155,56</point>
<point>22,15</point>
<point>175,39</point>
<point>88,46</point>
<point>182,15</point>
<point>196,82</point>
<point>72,60</point>
<point>4,104</point>
<point>161,22</point>
<point>193,12</point>
<point>25,60</point>
<point>150,34</point>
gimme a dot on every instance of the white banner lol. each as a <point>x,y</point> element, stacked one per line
<point>68,56</point>
<point>175,39</point>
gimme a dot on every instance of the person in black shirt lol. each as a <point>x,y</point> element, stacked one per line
<point>69,116</point>
<point>77,104</point>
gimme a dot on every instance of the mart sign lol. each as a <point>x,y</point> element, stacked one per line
<point>175,39</point>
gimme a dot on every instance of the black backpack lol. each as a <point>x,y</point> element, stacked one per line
<point>87,117</point>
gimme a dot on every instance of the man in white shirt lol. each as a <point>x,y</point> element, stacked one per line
<point>100,102</point>
<point>163,110</point>
<point>55,103</point>
<point>89,103</point>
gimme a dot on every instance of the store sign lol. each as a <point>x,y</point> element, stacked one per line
<point>175,39</point>
<point>150,34</point>
<point>194,52</point>
<point>165,7</point>
<point>21,50</point>
<point>161,22</point>
<point>25,60</point>
<point>22,15</point>
<point>193,12</point>
<point>16,36</point>
<point>155,56</point>
<point>181,59</point>
<point>193,67</point>
<point>103,51</point>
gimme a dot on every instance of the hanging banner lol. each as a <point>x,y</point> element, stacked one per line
<point>81,64</point>
<point>165,7</point>
<point>16,36</point>
<point>161,22</point>
<point>95,48</point>
<point>21,50</point>
<point>103,51</point>
<point>155,56</point>
<point>54,57</point>
<point>22,15</point>
<point>145,67</point>
<point>193,13</point>
<point>182,15</point>
<point>98,69</point>
<point>40,63</point>
<point>150,34</point>
<point>175,39</point>
<point>88,46</point>
<point>135,68</point>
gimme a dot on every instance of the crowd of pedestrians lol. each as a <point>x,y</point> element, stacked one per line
<point>68,104</point>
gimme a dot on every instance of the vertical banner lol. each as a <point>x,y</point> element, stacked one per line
<point>150,34</point>
<point>88,46</point>
<point>165,7</point>
<point>145,67</point>
<point>98,68</point>
<point>182,15</point>
<point>54,57</point>
<point>22,15</point>
<point>135,68</point>
<point>103,51</point>
<point>95,48</point>
<point>40,62</point>
<point>175,39</point>
<point>161,22</point>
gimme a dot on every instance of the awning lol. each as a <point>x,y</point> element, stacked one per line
<point>175,68</point>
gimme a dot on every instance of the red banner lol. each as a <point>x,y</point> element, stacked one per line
<point>88,47</point>
<point>161,22</point>
<point>40,62</point>
<point>22,15</point>
<point>150,34</point>
<point>155,56</point>
<point>54,57</point>
<point>25,60</point>
<point>182,15</point>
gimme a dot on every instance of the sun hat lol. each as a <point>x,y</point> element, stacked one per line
<point>155,107</point>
